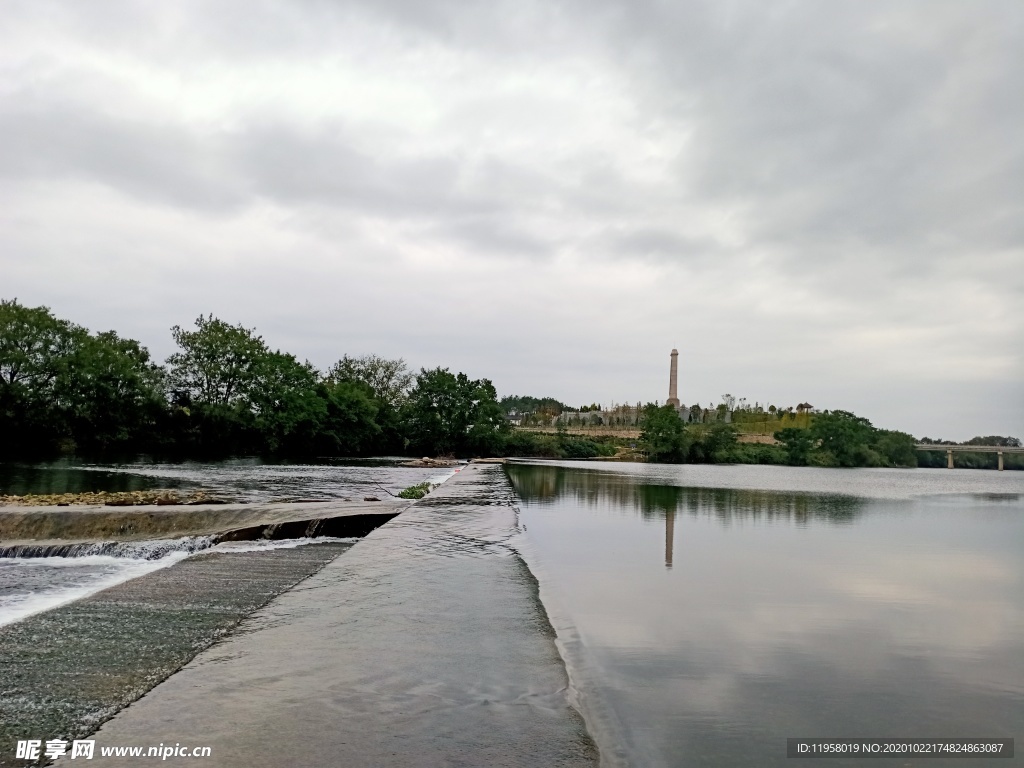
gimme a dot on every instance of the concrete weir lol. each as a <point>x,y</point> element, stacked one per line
<point>42,527</point>
<point>424,645</point>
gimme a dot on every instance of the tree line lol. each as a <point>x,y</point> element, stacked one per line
<point>224,391</point>
<point>830,439</point>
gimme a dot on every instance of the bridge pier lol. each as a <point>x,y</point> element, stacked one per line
<point>1000,455</point>
<point>949,459</point>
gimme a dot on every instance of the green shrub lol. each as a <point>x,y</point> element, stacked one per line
<point>416,491</point>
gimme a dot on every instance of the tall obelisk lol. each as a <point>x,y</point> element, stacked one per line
<point>673,381</point>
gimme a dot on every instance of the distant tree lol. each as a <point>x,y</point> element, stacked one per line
<point>797,443</point>
<point>447,413</point>
<point>663,434</point>
<point>996,440</point>
<point>715,444</point>
<point>895,448</point>
<point>36,350</point>
<point>283,400</point>
<point>351,425</point>
<point>216,362</point>
<point>110,393</point>
<point>389,380</point>
<point>845,437</point>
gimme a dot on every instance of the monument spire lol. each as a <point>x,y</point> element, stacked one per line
<point>673,381</point>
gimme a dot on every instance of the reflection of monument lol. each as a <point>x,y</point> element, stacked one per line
<point>670,529</point>
<point>673,381</point>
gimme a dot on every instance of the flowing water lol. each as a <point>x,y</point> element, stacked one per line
<point>708,613</point>
<point>242,480</point>
<point>29,585</point>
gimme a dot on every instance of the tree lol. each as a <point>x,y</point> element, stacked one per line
<point>36,348</point>
<point>389,380</point>
<point>663,434</point>
<point>797,443</point>
<point>453,414</point>
<point>997,440</point>
<point>895,448</point>
<point>715,444</point>
<point>351,426</point>
<point>216,361</point>
<point>109,392</point>
<point>845,437</point>
<point>283,398</point>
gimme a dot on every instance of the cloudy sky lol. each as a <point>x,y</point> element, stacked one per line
<point>814,201</point>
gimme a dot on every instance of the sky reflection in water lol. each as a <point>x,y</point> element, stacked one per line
<point>716,622</point>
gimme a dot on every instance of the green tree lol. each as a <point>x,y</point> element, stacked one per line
<point>35,347</point>
<point>663,434</point>
<point>36,350</point>
<point>389,380</point>
<point>996,440</point>
<point>447,413</point>
<point>284,401</point>
<point>350,426</point>
<point>895,448</point>
<point>798,444</point>
<point>714,444</point>
<point>216,362</point>
<point>109,393</point>
<point>845,437</point>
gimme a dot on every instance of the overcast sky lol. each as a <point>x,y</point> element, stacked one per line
<point>814,201</point>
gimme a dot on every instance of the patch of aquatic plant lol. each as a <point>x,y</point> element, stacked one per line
<point>416,491</point>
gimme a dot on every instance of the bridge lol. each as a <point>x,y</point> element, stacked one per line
<point>951,449</point>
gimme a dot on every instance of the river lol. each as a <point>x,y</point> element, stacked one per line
<point>705,613</point>
<point>708,613</point>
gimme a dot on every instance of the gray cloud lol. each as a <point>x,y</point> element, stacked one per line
<point>813,197</point>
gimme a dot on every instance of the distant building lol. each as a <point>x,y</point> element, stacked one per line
<point>673,380</point>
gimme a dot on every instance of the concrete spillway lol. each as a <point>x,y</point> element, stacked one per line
<point>423,645</point>
<point>64,671</point>
<point>64,526</point>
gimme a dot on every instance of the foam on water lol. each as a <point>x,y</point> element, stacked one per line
<point>36,579</point>
<point>263,546</point>
<point>32,585</point>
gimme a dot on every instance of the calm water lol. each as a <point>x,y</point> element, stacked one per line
<point>708,613</point>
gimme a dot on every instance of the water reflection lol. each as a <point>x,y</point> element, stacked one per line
<point>670,534</point>
<point>548,484</point>
<point>713,623</point>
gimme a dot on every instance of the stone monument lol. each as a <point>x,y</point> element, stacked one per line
<point>673,381</point>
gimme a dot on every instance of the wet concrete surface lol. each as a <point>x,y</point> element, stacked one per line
<point>41,526</point>
<point>65,671</point>
<point>425,645</point>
